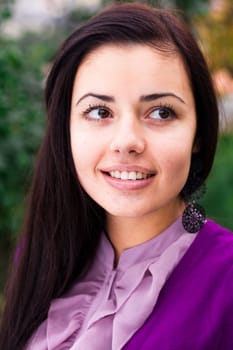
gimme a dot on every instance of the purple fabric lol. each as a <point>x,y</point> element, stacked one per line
<point>195,308</point>
<point>104,302</point>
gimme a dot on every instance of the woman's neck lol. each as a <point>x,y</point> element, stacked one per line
<point>127,232</point>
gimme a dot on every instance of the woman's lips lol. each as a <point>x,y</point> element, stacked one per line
<point>128,180</point>
<point>129,175</point>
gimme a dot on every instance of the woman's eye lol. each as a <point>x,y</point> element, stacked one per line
<point>98,113</point>
<point>162,113</point>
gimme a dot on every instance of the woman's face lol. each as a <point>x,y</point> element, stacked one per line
<point>132,129</point>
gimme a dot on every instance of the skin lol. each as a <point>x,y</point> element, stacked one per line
<point>133,110</point>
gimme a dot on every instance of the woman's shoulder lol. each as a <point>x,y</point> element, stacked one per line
<point>209,259</point>
<point>215,228</point>
<point>195,306</point>
<point>214,237</point>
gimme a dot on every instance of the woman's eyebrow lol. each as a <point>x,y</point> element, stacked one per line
<point>151,97</point>
<point>143,98</point>
<point>105,98</point>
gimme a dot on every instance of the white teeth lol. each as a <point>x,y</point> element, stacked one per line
<point>116,174</point>
<point>131,175</point>
<point>139,176</point>
<point>124,175</point>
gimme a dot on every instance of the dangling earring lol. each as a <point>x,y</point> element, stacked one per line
<point>194,216</point>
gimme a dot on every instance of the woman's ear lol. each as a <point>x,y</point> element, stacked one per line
<point>196,145</point>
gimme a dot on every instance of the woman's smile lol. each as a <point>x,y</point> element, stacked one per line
<point>128,181</point>
<point>131,177</point>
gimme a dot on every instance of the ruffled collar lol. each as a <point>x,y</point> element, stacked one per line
<point>109,299</point>
<point>150,249</point>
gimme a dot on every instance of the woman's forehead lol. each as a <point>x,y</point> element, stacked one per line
<point>138,69</point>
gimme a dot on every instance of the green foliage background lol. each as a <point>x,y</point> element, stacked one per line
<point>24,63</point>
<point>218,200</point>
<point>21,128</point>
<point>23,66</point>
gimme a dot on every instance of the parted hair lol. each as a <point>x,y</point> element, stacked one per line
<point>62,224</point>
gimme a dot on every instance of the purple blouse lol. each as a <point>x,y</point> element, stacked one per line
<point>194,309</point>
<point>99,312</point>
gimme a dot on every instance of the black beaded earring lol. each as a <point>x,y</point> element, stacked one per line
<point>194,216</point>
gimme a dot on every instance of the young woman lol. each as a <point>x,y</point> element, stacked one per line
<point>115,253</point>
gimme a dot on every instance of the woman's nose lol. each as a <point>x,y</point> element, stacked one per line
<point>128,138</point>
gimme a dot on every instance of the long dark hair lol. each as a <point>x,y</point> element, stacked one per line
<point>62,226</point>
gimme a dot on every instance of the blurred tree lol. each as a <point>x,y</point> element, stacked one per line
<point>21,124</point>
<point>190,7</point>
<point>21,127</point>
<point>216,32</point>
<point>5,9</point>
<point>23,65</point>
<point>219,199</point>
